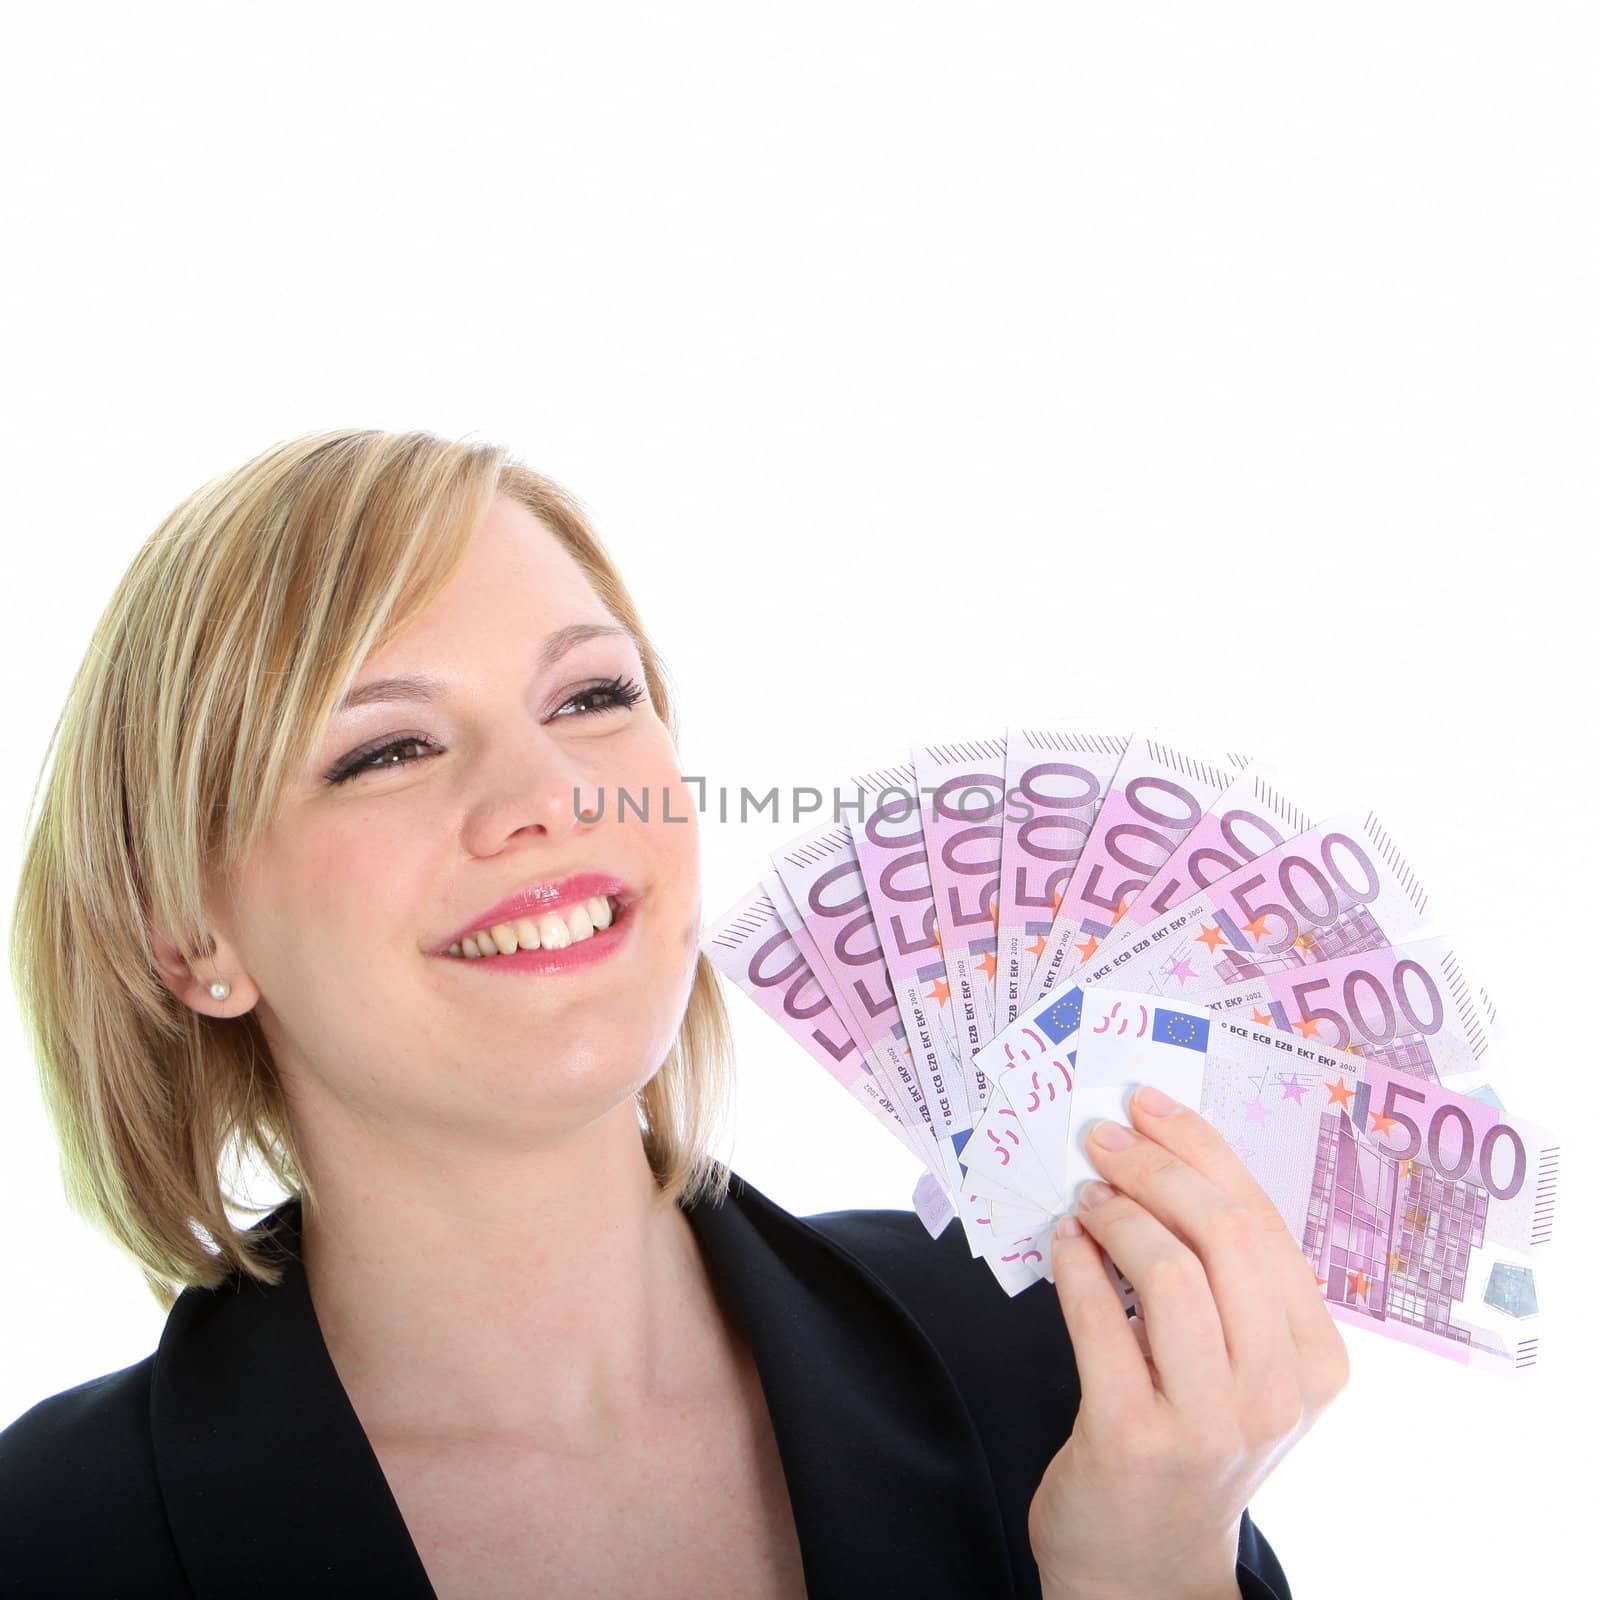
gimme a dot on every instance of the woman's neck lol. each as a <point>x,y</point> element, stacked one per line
<point>475,1293</point>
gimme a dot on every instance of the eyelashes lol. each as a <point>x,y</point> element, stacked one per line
<point>613,694</point>
<point>621,694</point>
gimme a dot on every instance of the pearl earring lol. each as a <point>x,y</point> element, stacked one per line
<point>220,991</point>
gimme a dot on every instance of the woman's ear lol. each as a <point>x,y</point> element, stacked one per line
<point>192,982</point>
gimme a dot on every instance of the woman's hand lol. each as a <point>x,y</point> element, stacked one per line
<point>1145,1497</point>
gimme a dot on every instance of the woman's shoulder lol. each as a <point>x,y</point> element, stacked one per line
<point>1009,1358</point>
<point>95,1426</point>
<point>880,1269</point>
<point>952,1293</point>
<point>83,1510</point>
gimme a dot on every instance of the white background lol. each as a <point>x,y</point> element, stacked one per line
<point>926,368</point>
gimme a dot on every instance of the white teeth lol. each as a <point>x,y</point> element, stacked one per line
<point>555,930</point>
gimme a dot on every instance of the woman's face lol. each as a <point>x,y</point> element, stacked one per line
<point>338,912</point>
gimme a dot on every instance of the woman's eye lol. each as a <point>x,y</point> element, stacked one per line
<point>363,760</point>
<point>614,694</point>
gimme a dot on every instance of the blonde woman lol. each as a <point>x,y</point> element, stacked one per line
<point>329,878</point>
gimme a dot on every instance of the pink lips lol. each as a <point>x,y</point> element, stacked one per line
<point>539,898</point>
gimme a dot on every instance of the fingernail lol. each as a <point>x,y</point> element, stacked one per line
<point>1068,1228</point>
<point>1112,1135</point>
<point>1093,1194</point>
<point>1157,1104</point>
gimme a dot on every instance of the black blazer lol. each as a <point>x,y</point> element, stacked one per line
<point>915,1408</point>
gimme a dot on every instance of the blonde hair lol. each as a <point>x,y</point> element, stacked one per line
<point>211,676</point>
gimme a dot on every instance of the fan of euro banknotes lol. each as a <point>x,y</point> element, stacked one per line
<point>992,942</point>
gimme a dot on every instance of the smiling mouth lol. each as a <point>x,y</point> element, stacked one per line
<point>551,930</point>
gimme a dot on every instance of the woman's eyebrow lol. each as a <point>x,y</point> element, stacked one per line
<point>423,689</point>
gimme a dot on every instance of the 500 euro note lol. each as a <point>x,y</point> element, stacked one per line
<point>1055,784</point>
<point>1410,1006</point>
<point>1422,1211</point>
<point>1157,797</point>
<point>752,947</point>
<point>893,861</point>
<point>1337,889</point>
<point>762,946</point>
<point>1250,817</point>
<point>822,878</point>
<point>961,787</point>
<point>1021,1142</point>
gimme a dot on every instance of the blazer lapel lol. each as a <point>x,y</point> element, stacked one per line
<point>887,1476</point>
<point>270,1484</point>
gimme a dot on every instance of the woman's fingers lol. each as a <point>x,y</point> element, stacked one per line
<point>1188,1136</point>
<point>1233,1319</point>
<point>1182,1321</point>
<point>1113,1376</point>
<point>1218,1235</point>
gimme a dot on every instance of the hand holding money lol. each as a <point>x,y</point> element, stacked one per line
<point>989,986</point>
<point>1182,1420</point>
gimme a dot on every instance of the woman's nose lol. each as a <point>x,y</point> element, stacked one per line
<point>540,788</point>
